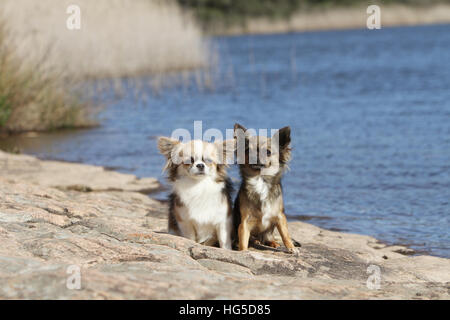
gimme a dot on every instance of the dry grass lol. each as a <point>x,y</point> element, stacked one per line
<point>117,37</point>
<point>345,18</point>
<point>42,63</point>
<point>31,99</point>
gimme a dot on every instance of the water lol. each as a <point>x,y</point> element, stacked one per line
<point>370,118</point>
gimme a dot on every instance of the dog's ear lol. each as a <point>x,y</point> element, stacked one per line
<point>166,145</point>
<point>237,126</point>
<point>241,132</point>
<point>284,135</point>
<point>241,136</point>
<point>284,141</point>
<point>226,150</point>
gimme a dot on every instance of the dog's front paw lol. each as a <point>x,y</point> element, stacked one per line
<point>294,251</point>
<point>227,246</point>
<point>273,244</point>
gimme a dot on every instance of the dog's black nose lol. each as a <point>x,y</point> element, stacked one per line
<point>201,166</point>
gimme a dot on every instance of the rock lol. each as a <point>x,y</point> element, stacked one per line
<point>71,176</point>
<point>116,237</point>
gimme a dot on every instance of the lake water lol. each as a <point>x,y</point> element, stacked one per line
<point>370,118</point>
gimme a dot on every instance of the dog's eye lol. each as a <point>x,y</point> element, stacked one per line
<point>269,153</point>
<point>192,160</point>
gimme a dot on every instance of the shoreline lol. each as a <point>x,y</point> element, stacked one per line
<point>404,248</point>
<point>56,214</point>
<point>339,18</point>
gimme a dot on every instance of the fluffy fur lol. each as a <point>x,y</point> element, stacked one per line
<point>200,206</point>
<point>259,208</point>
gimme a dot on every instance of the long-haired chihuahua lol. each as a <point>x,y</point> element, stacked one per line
<point>200,205</point>
<point>259,207</point>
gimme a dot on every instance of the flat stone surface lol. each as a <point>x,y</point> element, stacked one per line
<point>117,238</point>
<point>71,176</point>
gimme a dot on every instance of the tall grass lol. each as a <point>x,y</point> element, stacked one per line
<point>34,99</point>
<point>42,62</point>
<point>117,37</point>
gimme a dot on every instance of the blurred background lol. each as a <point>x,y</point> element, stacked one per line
<point>369,109</point>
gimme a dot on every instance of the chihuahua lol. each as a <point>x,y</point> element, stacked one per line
<point>259,207</point>
<point>200,205</point>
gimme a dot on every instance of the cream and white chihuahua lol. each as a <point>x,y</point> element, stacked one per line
<point>200,205</point>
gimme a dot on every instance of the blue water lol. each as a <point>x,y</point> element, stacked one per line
<point>370,118</point>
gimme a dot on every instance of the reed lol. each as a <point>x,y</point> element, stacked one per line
<point>32,99</point>
<point>43,64</point>
<point>117,37</point>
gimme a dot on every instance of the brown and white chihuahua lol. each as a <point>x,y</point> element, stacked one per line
<point>200,205</point>
<point>259,207</point>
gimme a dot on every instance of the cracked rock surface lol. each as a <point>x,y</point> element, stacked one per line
<point>55,215</point>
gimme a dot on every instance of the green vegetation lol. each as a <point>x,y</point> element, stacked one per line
<point>230,12</point>
<point>5,110</point>
<point>235,11</point>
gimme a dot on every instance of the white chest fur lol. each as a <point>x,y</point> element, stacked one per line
<point>205,206</point>
<point>259,186</point>
<point>269,208</point>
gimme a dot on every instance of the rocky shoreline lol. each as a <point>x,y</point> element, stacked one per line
<point>58,217</point>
